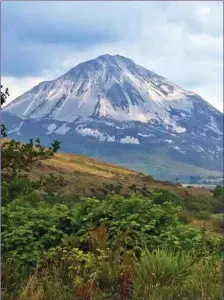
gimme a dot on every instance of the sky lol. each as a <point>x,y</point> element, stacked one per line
<point>182,41</point>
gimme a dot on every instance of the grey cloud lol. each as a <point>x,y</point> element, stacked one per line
<point>182,41</point>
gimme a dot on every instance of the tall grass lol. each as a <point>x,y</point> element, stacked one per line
<point>158,275</point>
<point>163,275</point>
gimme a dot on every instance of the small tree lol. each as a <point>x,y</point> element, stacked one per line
<point>218,192</point>
<point>17,159</point>
<point>4,96</point>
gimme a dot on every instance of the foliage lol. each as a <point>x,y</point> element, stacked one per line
<point>216,204</point>
<point>4,96</point>
<point>186,216</point>
<point>197,203</point>
<point>31,226</point>
<point>164,275</point>
<point>203,215</point>
<point>91,247</point>
<point>218,222</point>
<point>218,192</point>
<point>139,247</point>
<point>18,158</point>
<point>160,269</point>
<point>73,274</point>
<point>114,188</point>
<point>161,196</point>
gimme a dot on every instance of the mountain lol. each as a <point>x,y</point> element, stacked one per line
<point>116,110</point>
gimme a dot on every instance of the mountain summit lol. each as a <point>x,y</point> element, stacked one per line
<point>108,86</point>
<point>111,99</point>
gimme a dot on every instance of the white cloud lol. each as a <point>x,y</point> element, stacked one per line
<point>18,86</point>
<point>203,11</point>
<point>212,92</point>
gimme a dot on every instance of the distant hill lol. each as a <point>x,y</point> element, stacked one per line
<point>88,177</point>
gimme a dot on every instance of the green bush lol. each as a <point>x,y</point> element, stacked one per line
<point>203,215</point>
<point>31,226</point>
<point>28,229</point>
<point>33,230</point>
<point>218,192</point>
<point>217,205</point>
<point>162,195</point>
<point>198,203</point>
<point>186,216</point>
<point>218,222</point>
<point>36,228</point>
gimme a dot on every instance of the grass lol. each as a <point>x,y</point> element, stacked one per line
<point>214,224</point>
<point>164,275</point>
<point>89,177</point>
<point>158,275</point>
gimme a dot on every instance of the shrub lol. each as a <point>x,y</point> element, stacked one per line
<point>217,205</point>
<point>198,203</point>
<point>203,215</point>
<point>162,195</point>
<point>114,188</point>
<point>34,228</point>
<point>218,192</point>
<point>186,216</point>
<point>37,228</point>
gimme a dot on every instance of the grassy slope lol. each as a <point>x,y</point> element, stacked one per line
<point>86,176</point>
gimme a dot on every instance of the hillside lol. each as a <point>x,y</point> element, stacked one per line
<point>88,177</point>
<point>103,236</point>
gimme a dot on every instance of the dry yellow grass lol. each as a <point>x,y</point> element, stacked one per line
<point>86,176</point>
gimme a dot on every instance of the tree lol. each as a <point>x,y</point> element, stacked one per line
<point>218,192</point>
<point>17,160</point>
<point>4,96</point>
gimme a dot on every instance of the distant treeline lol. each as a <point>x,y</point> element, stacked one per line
<point>199,180</point>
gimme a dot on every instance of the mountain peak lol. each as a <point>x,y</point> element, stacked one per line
<point>109,56</point>
<point>114,58</point>
<point>110,86</point>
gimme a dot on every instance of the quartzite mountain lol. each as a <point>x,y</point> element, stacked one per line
<point>113,109</point>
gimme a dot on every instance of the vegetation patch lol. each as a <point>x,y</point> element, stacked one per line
<point>119,236</point>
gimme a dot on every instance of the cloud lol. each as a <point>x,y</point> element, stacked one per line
<point>182,41</point>
<point>20,85</point>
